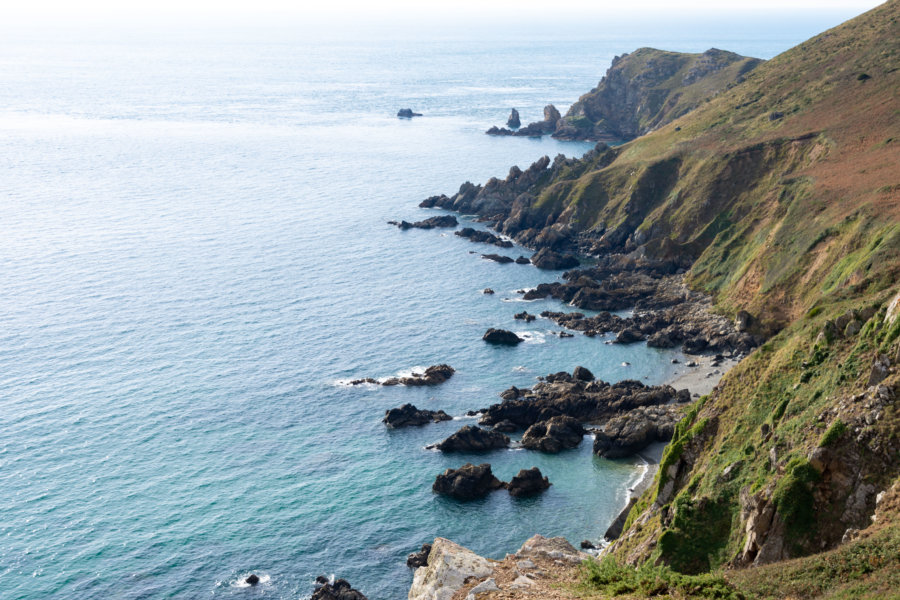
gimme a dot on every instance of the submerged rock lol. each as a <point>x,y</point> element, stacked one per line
<point>524,316</point>
<point>473,439</point>
<point>488,291</point>
<point>554,435</point>
<point>467,482</point>
<point>407,113</point>
<point>408,415</point>
<point>501,337</point>
<point>499,258</point>
<point>339,590</point>
<point>528,482</point>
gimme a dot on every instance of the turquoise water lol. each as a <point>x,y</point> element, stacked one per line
<point>195,256</point>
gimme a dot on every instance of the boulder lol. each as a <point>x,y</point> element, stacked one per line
<point>507,426</point>
<point>252,579</point>
<point>407,113</point>
<point>629,335</point>
<point>468,482</point>
<point>488,291</point>
<point>339,590</point>
<point>528,482</point>
<point>513,121</point>
<point>554,435</point>
<point>408,415</point>
<point>473,439</point>
<point>418,559</point>
<point>582,374</point>
<point>545,258</point>
<point>630,433</point>
<point>524,316</point>
<point>501,337</point>
<point>450,567</point>
<point>523,260</point>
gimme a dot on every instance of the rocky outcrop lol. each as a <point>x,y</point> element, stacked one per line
<point>501,337</point>
<point>408,415</point>
<point>528,482</point>
<point>433,375</point>
<point>449,568</point>
<point>477,235</point>
<point>429,223</point>
<point>513,121</point>
<point>633,431</point>
<point>545,258</point>
<point>407,113</point>
<point>648,88</point>
<point>418,559</point>
<point>468,482</point>
<point>339,590</point>
<point>538,128</point>
<point>553,435</point>
<point>582,374</point>
<point>524,316</point>
<point>473,439</point>
<point>498,258</point>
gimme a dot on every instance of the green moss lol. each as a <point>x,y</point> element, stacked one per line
<point>834,433</point>
<point>794,501</point>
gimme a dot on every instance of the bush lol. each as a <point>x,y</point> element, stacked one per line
<point>608,577</point>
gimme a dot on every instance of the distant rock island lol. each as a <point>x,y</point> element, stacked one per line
<point>407,113</point>
<point>640,92</point>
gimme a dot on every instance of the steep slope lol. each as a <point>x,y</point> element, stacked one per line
<point>648,88</point>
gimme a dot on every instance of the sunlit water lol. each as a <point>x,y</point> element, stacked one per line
<point>194,256</point>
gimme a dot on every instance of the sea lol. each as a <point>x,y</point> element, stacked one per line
<point>194,262</point>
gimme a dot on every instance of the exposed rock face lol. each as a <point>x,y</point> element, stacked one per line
<point>618,524</point>
<point>513,121</point>
<point>339,590</point>
<point>630,433</point>
<point>408,415</point>
<point>522,260</point>
<point>499,258</point>
<point>476,235</point>
<point>407,113</point>
<point>546,258</point>
<point>467,482</point>
<point>450,567</point>
<point>536,129</point>
<point>473,439</point>
<point>429,223</point>
<point>418,559</point>
<point>648,88</point>
<point>501,337</point>
<point>554,435</point>
<point>582,374</point>
<point>528,482</point>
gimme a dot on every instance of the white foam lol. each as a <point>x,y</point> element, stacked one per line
<point>532,337</point>
<point>520,369</point>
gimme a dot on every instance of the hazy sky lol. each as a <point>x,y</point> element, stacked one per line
<point>386,9</point>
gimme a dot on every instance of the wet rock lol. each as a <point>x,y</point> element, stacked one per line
<point>339,590</point>
<point>433,375</point>
<point>253,579</point>
<point>477,235</point>
<point>546,258</point>
<point>408,415</point>
<point>366,380</point>
<point>499,258</point>
<point>582,374</point>
<point>407,113</point>
<point>501,337</point>
<point>473,439</point>
<point>587,545</point>
<point>488,291</point>
<point>524,316</point>
<point>523,260</point>
<point>554,435</point>
<point>467,482</point>
<point>528,482</point>
<point>430,223</point>
<point>513,121</point>
<point>418,559</point>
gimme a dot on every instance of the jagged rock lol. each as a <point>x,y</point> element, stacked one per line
<point>407,113</point>
<point>629,336</point>
<point>523,260</point>
<point>429,223</point>
<point>545,258</point>
<point>339,590</point>
<point>513,121</point>
<point>588,545</point>
<point>418,559</point>
<point>556,549</point>
<point>501,337</point>
<point>488,291</point>
<point>582,374</point>
<point>433,375</point>
<point>476,235</point>
<point>467,482</point>
<point>528,482</point>
<point>408,415</point>
<point>881,368</point>
<point>554,435</point>
<point>506,426</point>
<point>449,567</point>
<point>524,316</point>
<point>365,380</point>
<point>630,433</point>
<point>499,258</point>
<point>473,439</point>
<point>253,579</point>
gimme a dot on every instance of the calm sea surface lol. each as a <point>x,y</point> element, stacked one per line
<point>194,256</point>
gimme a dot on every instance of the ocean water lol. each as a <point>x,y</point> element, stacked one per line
<point>195,258</point>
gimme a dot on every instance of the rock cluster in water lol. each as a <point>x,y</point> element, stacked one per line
<point>408,415</point>
<point>433,375</point>
<point>429,223</point>
<point>339,590</point>
<point>470,482</point>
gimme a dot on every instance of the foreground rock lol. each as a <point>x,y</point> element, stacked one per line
<point>468,482</point>
<point>630,433</point>
<point>484,237</point>
<point>418,559</point>
<point>449,568</point>
<point>408,415</point>
<point>545,258</point>
<point>528,482</point>
<point>429,223</point>
<point>407,113</point>
<point>501,337</point>
<point>473,439</point>
<point>554,435</point>
<point>339,590</point>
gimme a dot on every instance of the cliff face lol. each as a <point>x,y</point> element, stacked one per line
<point>781,196</point>
<point>648,88</point>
